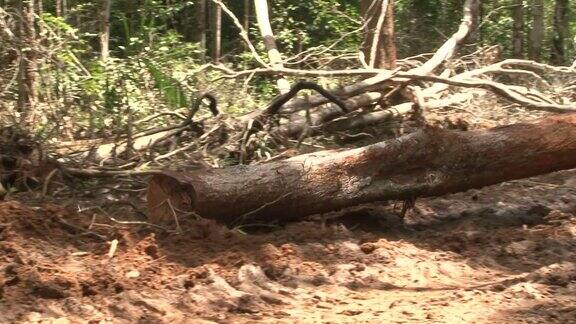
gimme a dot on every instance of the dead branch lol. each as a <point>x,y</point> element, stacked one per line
<point>449,48</point>
<point>505,91</point>
<point>270,42</point>
<point>243,33</point>
<point>95,173</point>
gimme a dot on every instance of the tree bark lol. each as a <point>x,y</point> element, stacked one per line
<point>536,32</point>
<point>389,39</point>
<point>201,25</point>
<point>561,31</point>
<point>518,29</point>
<point>216,32</point>
<point>105,31</point>
<point>246,22</point>
<point>430,162</point>
<point>261,9</point>
<point>379,45</point>
<point>40,8</point>
<point>28,69</point>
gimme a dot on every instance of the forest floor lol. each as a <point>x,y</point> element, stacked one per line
<point>503,254</point>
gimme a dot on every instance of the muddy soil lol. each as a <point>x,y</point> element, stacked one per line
<point>503,254</point>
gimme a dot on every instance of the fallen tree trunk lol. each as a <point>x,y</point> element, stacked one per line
<point>430,162</point>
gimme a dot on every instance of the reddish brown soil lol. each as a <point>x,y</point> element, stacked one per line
<point>505,254</point>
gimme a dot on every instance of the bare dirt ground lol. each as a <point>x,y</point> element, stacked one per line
<point>503,254</point>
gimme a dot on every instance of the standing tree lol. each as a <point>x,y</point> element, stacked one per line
<point>561,31</point>
<point>261,7</point>
<point>216,32</point>
<point>40,8</point>
<point>536,32</point>
<point>105,31</point>
<point>246,22</point>
<point>379,44</point>
<point>200,8</point>
<point>58,5</point>
<point>28,68</point>
<point>518,29</point>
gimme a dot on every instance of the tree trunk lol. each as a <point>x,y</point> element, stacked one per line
<point>430,162</point>
<point>40,5</point>
<point>262,16</point>
<point>518,29</point>
<point>216,32</point>
<point>28,69</point>
<point>474,38</point>
<point>536,32</point>
<point>246,22</point>
<point>64,8</point>
<point>40,8</point>
<point>379,45</point>
<point>105,31</point>
<point>58,5</point>
<point>561,31</point>
<point>201,23</point>
<point>389,39</point>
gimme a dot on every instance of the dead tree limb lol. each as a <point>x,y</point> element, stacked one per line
<point>449,48</point>
<point>261,7</point>
<point>277,103</point>
<point>144,140</point>
<point>243,32</point>
<point>430,162</point>
<point>297,123</point>
<point>445,52</point>
<point>500,89</point>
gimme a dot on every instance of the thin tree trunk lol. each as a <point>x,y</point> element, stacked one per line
<point>561,31</point>
<point>58,5</point>
<point>475,35</point>
<point>201,21</point>
<point>389,39</point>
<point>261,8</point>
<point>40,8</point>
<point>40,5</point>
<point>536,33</point>
<point>28,69</point>
<point>518,29</point>
<point>379,45</point>
<point>430,162</point>
<point>105,31</point>
<point>378,31</point>
<point>64,8</point>
<point>216,32</point>
<point>246,22</point>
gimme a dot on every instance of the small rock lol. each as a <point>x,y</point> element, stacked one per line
<point>520,248</point>
<point>350,312</point>
<point>368,247</point>
<point>132,274</point>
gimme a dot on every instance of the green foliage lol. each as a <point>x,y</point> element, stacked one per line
<point>155,62</point>
<point>316,23</point>
<point>168,86</point>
